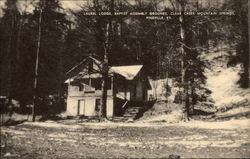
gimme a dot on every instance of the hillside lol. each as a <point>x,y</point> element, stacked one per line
<point>229,101</point>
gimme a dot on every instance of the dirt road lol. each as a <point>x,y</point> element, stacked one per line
<point>111,140</point>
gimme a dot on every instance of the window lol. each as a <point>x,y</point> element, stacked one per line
<point>97,104</point>
<point>90,67</point>
<point>97,83</point>
<point>86,81</point>
<point>81,87</point>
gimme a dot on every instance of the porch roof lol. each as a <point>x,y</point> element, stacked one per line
<point>129,72</point>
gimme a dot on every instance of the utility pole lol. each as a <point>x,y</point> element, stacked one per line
<point>37,63</point>
<point>182,34</point>
<point>184,101</point>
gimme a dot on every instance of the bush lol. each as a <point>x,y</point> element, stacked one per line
<point>49,105</point>
<point>167,89</point>
<point>178,97</point>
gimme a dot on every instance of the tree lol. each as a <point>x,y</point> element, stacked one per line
<point>9,29</point>
<point>193,41</point>
<point>50,25</point>
<point>37,62</point>
<point>240,29</point>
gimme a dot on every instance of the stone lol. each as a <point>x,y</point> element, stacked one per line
<point>7,154</point>
<point>174,156</point>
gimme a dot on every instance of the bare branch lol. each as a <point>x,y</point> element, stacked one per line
<point>191,48</point>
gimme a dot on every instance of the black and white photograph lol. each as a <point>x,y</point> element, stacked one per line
<point>124,79</point>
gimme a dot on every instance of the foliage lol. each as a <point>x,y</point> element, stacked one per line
<point>22,48</point>
<point>167,90</point>
<point>240,36</point>
<point>132,40</point>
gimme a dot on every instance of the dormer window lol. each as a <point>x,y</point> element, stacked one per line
<point>90,67</point>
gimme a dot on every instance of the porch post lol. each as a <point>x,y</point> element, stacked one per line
<point>113,94</point>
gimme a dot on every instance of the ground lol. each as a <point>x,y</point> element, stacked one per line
<point>62,139</point>
<point>160,132</point>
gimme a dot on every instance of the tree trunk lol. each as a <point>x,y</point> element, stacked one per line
<point>10,60</point>
<point>193,98</point>
<point>60,67</point>
<point>105,71</point>
<point>185,96</point>
<point>18,42</point>
<point>105,68</point>
<point>36,68</point>
<point>18,59</point>
<point>103,113</point>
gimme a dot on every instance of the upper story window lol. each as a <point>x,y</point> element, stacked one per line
<point>97,83</point>
<point>90,85</point>
<point>81,87</point>
<point>90,67</point>
<point>88,88</point>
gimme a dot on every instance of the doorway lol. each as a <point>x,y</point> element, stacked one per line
<point>81,107</point>
<point>139,91</point>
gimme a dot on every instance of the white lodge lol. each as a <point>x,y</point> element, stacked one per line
<point>127,86</point>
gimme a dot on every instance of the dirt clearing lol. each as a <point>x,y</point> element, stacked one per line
<point>137,140</point>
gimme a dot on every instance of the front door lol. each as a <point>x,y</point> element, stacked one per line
<point>81,107</point>
<point>139,91</point>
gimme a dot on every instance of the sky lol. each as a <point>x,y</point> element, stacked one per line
<point>72,4</point>
<point>26,5</point>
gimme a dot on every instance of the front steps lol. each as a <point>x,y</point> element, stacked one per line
<point>129,115</point>
<point>131,111</point>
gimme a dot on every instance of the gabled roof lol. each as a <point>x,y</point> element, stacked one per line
<point>98,62</point>
<point>129,72</point>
